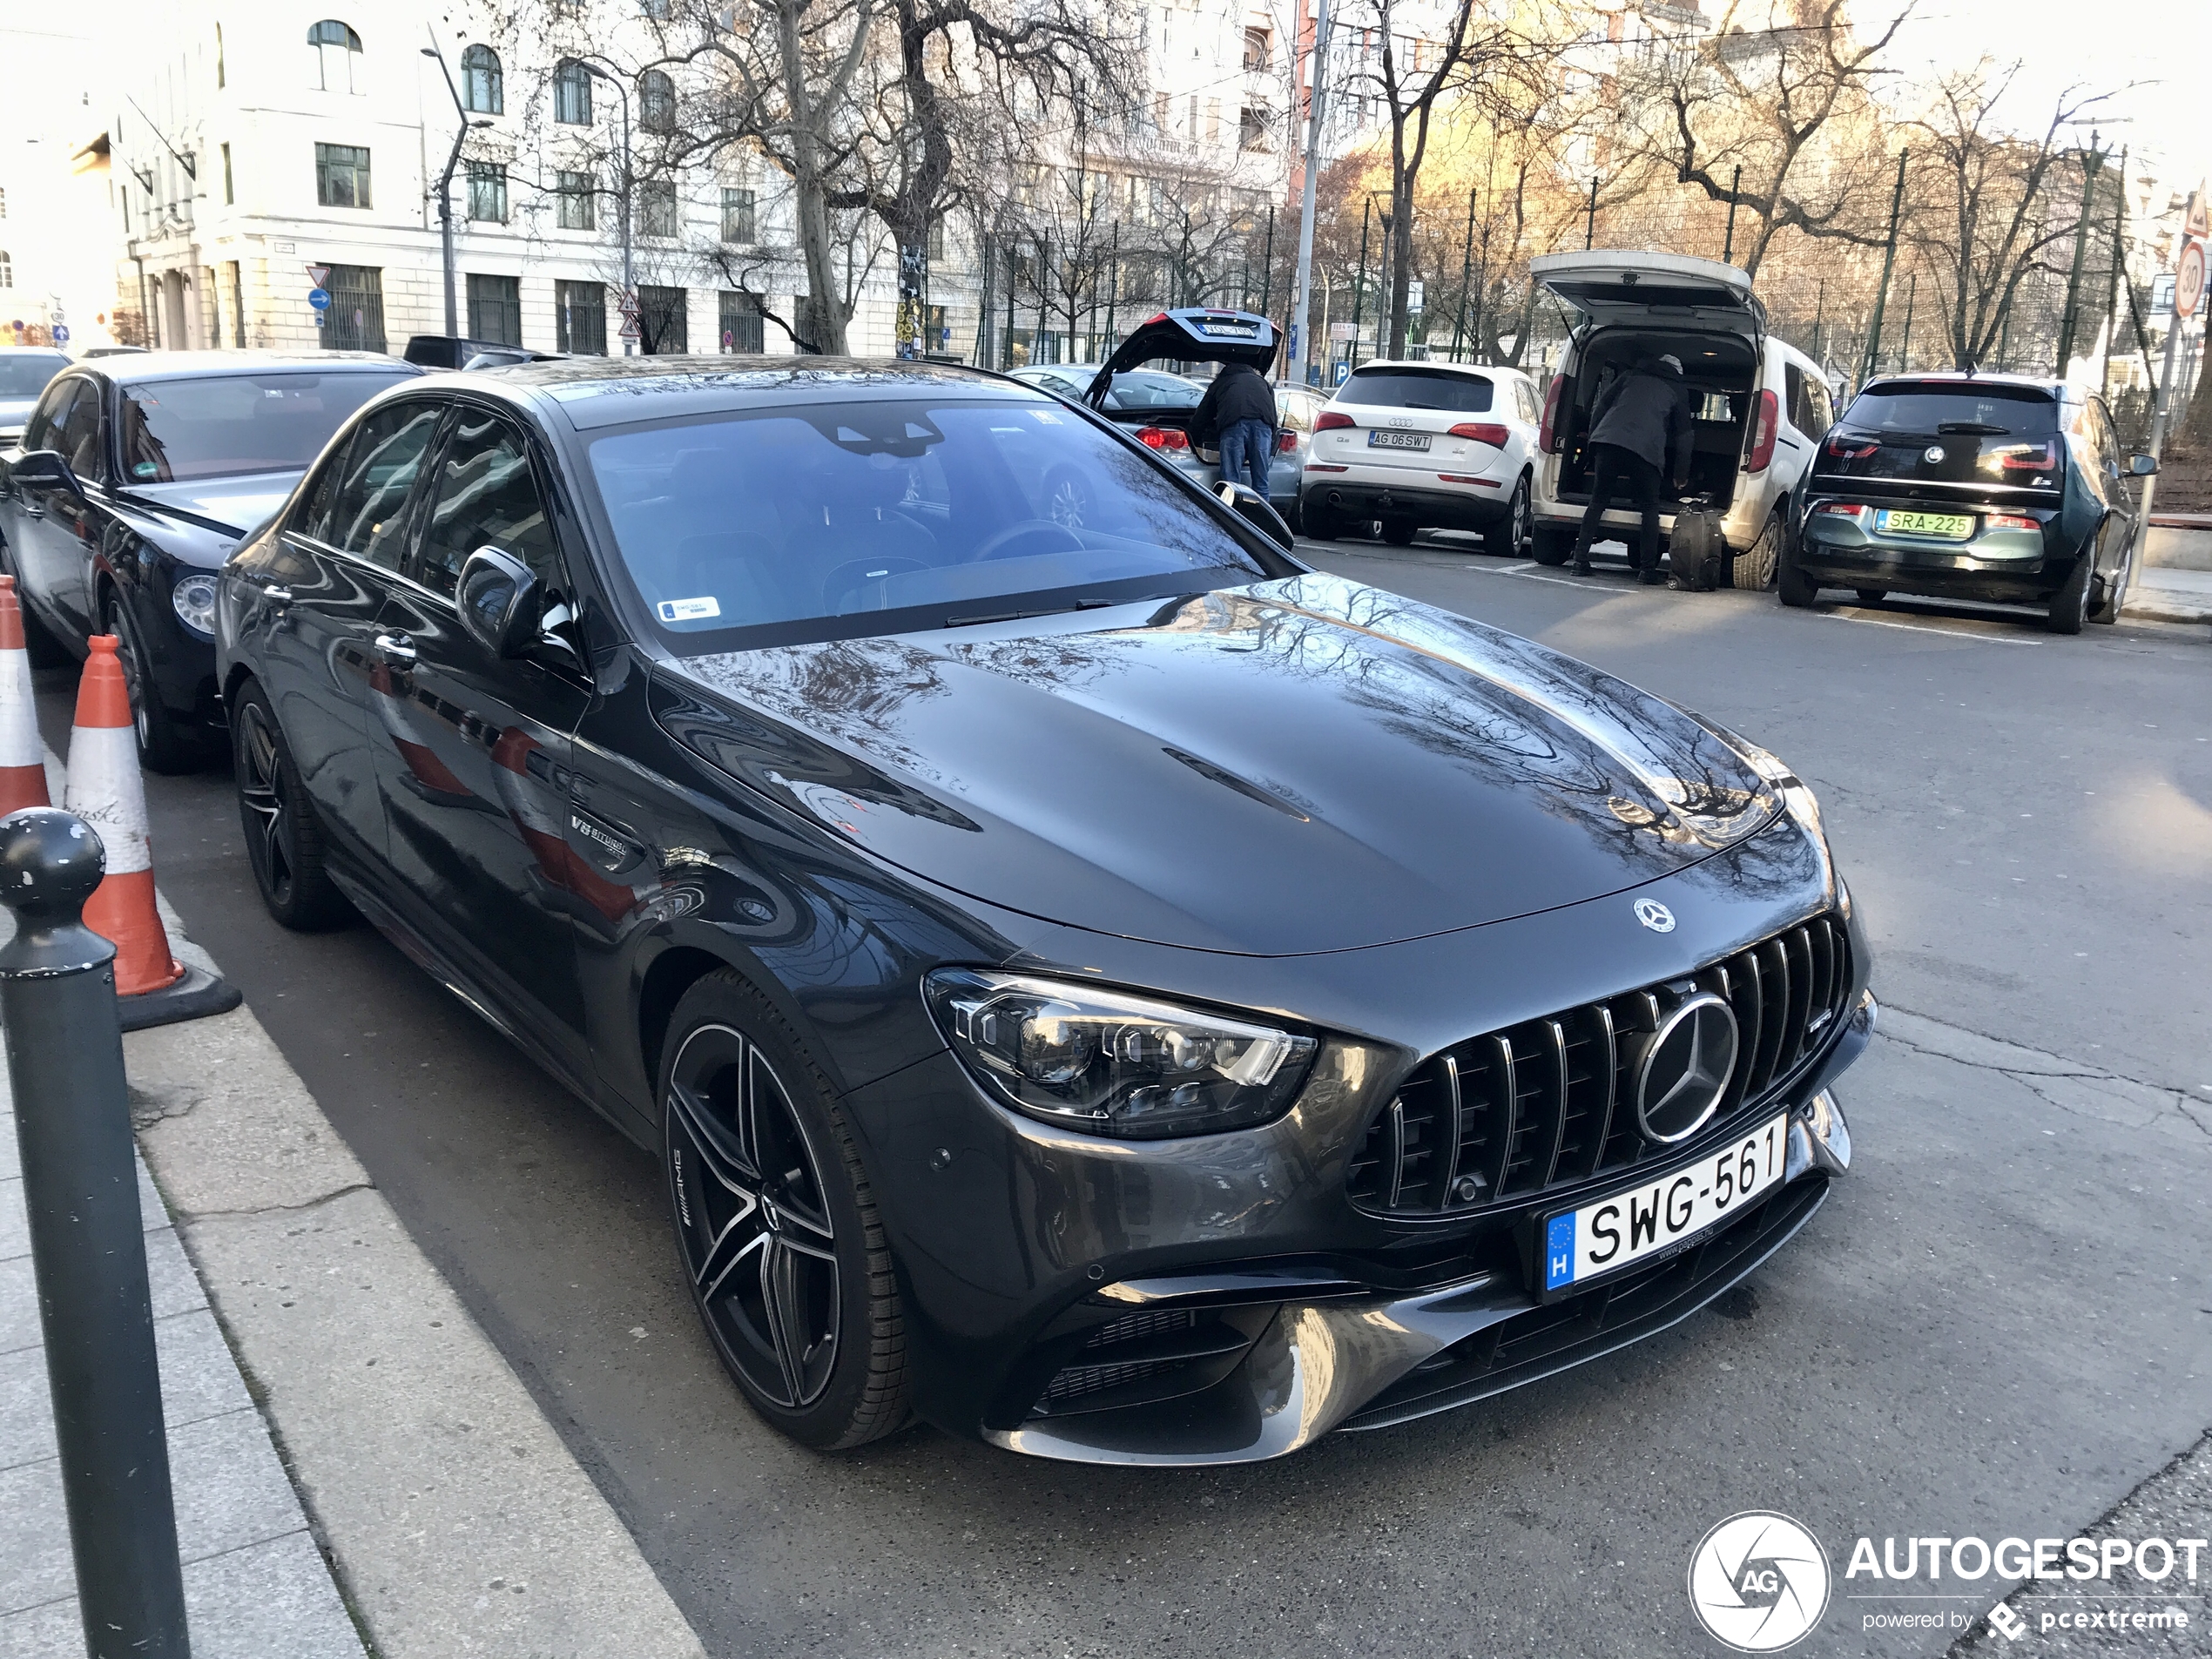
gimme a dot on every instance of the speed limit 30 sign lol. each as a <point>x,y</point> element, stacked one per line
<point>2188,279</point>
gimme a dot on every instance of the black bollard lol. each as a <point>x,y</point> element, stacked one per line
<point>87,1242</point>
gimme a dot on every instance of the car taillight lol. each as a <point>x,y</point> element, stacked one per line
<point>2008,522</point>
<point>1767,420</point>
<point>1286,444</point>
<point>1488,431</point>
<point>2025,457</point>
<point>1841,509</point>
<point>1849,449</point>
<point>1330,419</point>
<point>1162,437</point>
<point>1547,434</point>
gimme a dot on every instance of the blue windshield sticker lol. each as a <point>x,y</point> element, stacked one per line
<point>688,609</point>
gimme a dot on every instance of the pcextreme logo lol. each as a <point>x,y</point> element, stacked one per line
<point>1758,1581</point>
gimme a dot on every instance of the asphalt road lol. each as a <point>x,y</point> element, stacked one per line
<point>2001,1323</point>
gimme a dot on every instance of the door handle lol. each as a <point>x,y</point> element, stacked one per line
<point>277,595</point>
<point>398,647</point>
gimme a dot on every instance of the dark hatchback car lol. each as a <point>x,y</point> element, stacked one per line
<point>1969,487</point>
<point>135,479</point>
<point>1112,991</point>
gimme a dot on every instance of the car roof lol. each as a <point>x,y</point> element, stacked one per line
<point>1960,377</point>
<point>1440,365</point>
<point>199,365</point>
<point>34,351</point>
<point>596,392</point>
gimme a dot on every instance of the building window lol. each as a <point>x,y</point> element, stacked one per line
<point>661,322</point>
<point>737,216</point>
<point>656,207</point>
<point>576,202</point>
<point>741,329</point>
<point>4,201</point>
<point>229,187</point>
<point>338,51</point>
<point>496,309</point>
<point>483,90</point>
<point>580,317</point>
<point>656,102</point>
<point>658,11</point>
<point>936,242</point>
<point>1256,49</point>
<point>355,318</point>
<point>7,270</point>
<point>238,305</point>
<point>572,94</point>
<point>487,191</point>
<point>222,76</point>
<point>1252,129</point>
<point>342,176</point>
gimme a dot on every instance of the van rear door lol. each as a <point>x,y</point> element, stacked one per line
<point>1611,285</point>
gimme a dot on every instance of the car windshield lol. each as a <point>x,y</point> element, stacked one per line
<point>1416,389</point>
<point>221,425</point>
<point>25,375</point>
<point>838,520</point>
<point>1932,412</point>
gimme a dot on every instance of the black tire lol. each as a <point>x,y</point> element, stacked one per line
<point>1872,596</point>
<point>166,743</point>
<point>284,839</point>
<point>1551,544</point>
<point>2070,604</point>
<point>1400,532</point>
<point>1792,586</point>
<point>739,1099</point>
<point>1753,569</point>
<point>1511,536</point>
<point>1294,516</point>
<point>1320,522</point>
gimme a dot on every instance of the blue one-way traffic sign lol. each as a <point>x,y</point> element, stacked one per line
<point>319,297</point>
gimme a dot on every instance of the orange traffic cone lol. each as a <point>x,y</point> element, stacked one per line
<point>105,792</point>
<point>23,753</point>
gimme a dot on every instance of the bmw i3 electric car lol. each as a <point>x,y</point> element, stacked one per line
<point>1046,961</point>
<point>1982,486</point>
<point>1420,446</point>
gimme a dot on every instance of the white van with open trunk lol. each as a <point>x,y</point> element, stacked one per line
<point>1758,406</point>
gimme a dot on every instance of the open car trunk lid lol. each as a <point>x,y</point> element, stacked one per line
<point>1618,287</point>
<point>1192,334</point>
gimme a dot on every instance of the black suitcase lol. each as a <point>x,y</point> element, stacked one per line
<point>1696,554</point>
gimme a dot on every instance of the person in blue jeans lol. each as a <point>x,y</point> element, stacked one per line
<point>1240,407</point>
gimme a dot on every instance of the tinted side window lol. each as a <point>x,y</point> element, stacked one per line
<point>79,437</point>
<point>486,498</point>
<point>1820,406</point>
<point>367,513</point>
<point>1297,412</point>
<point>46,419</point>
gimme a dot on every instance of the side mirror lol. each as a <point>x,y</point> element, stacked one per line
<point>44,469</point>
<point>2141,466</point>
<point>1258,511</point>
<point>498,598</point>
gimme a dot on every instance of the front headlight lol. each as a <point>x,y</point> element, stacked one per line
<point>1109,1063</point>
<point>194,599</point>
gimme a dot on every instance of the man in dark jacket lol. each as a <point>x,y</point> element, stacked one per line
<point>1239,412</point>
<point>1641,423</point>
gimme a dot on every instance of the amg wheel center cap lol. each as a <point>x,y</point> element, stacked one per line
<point>1685,1070</point>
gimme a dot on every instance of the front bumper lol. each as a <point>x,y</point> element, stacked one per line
<point>1354,1359</point>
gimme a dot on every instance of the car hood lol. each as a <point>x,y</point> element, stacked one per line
<point>1303,765</point>
<point>231,506</point>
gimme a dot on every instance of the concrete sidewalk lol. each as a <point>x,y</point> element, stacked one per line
<point>2164,593</point>
<point>357,1469</point>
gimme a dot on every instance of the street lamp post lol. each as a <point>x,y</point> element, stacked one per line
<point>445,188</point>
<point>629,288</point>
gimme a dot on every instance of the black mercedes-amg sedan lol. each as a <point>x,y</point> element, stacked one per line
<point>1113,991</point>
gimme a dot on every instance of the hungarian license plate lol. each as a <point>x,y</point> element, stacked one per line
<point>1397,440</point>
<point>1662,1213</point>
<point>1951,527</point>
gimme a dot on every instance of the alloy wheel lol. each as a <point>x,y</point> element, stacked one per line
<point>752,1217</point>
<point>133,678</point>
<point>260,787</point>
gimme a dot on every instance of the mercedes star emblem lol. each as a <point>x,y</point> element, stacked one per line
<point>1655,915</point>
<point>1685,1070</point>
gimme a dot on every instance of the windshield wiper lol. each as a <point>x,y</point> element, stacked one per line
<point>1024,615</point>
<point>1975,429</point>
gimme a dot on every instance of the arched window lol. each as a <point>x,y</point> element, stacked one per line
<point>337,50</point>
<point>656,102</point>
<point>572,94</point>
<point>481,91</point>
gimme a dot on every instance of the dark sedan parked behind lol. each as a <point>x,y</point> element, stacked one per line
<point>1973,487</point>
<point>1108,990</point>
<point>135,479</point>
